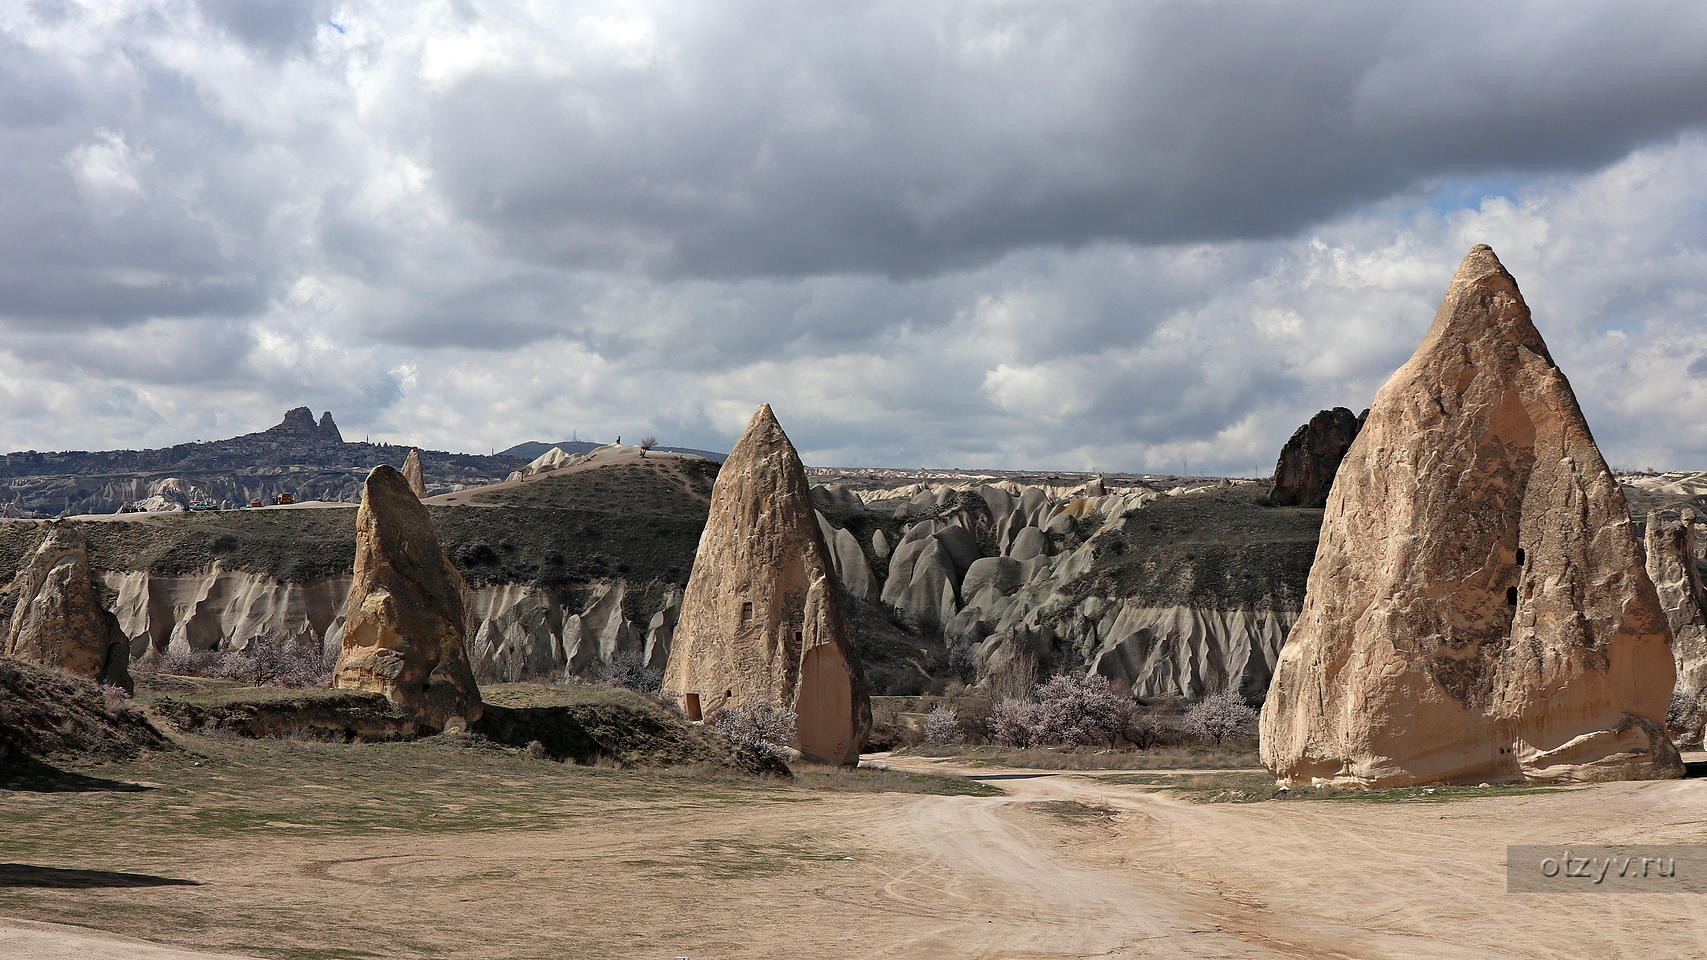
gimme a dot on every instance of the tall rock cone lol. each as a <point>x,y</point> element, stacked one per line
<point>1478,609</point>
<point>412,473</point>
<point>58,620</point>
<point>1671,565</point>
<point>404,629</point>
<point>761,620</point>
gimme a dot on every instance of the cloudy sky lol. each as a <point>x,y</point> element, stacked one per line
<point>1118,235</point>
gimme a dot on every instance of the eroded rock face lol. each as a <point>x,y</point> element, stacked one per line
<point>1478,608</point>
<point>761,619</point>
<point>412,473</point>
<point>1671,552</point>
<point>58,620</point>
<point>403,632</point>
<point>1310,459</point>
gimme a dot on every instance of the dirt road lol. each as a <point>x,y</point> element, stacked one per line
<point>1061,866</point>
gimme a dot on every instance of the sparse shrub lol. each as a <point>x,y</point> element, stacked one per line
<point>1065,710</point>
<point>1220,716</point>
<point>942,727</point>
<point>627,668</point>
<point>1014,722</point>
<point>193,663</point>
<point>114,693</point>
<point>1146,730</point>
<point>536,750</point>
<point>474,553</point>
<point>764,727</point>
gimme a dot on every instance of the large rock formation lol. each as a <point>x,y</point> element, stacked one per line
<point>762,620</point>
<point>1308,462</point>
<point>412,473</point>
<point>1477,609</point>
<point>57,618</point>
<point>1671,552</point>
<point>403,633</point>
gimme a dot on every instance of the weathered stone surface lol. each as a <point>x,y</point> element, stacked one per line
<point>46,714</point>
<point>761,618</point>
<point>1478,608</point>
<point>58,620</point>
<point>1671,550</point>
<point>1310,459</point>
<point>403,632</point>
<point>412,473</point>
<point>853,571</point>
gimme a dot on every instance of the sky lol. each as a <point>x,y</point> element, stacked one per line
<point>1126,236</point>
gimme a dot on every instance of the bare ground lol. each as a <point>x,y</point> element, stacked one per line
<point>335,852</point>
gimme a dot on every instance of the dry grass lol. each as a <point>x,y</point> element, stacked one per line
<point>1092,758</point>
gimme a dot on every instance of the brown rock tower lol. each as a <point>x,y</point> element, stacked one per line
<point>58,620</point>
<point>404,634</point>
<point>413,474</point>
<point>762,619</point>
<point>1478,609</point>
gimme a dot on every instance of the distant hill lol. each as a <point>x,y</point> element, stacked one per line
<point>532,449</point>
<point>308,459</point>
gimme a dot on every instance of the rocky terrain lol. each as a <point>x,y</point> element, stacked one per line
<point>1478,609</point>
<point>308,459</point>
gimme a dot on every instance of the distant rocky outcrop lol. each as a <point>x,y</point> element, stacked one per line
<point>403,634</point>
<point>307,459</point>
<point>762,620</point>
<point>412,473</point>
<point>1672,551</point>
<point>1312,456</point>
<point>1478,608</point>
<point>58,620</point>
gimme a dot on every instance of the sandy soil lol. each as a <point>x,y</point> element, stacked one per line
<point>1062,865</point>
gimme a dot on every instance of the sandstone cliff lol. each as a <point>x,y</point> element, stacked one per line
<point>403,626</point>
<point>1308,462</point>
<point>1672,565</point>
<point>1478,608</point>
<point>58,620</point>
<point>761,620</point>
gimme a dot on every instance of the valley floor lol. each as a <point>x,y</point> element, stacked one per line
<point>319,852</point>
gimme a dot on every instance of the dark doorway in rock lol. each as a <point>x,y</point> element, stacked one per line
<point>1520,556</point>
<point>690,706</point>
<point>1511,596</point>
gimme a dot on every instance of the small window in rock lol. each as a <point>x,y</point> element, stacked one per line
<point>1520,556</point>
<point>1511,596</point>
<point>746,611</point>
<point>797,638</point>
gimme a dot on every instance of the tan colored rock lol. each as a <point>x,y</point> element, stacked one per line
<point>57,617</point>
<point>1478,608</point>
<point>403,632</point>
<point>1671,553</point>
<point>762,620</point>
<point>413,474</point>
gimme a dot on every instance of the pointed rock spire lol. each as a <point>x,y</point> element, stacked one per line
<point>412,473</point>
<point>329,430</point>
<point>1478,608</point>
<point>762,619</point>
<point>58,620</point>
<point>404,634</point>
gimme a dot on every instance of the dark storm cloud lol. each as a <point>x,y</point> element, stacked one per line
<point>802,138</point>
<point>1096,234</point>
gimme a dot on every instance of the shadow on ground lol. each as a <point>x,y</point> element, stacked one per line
<point>1694,768</point>
<point>33,776</point>
<point>29,875</point>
